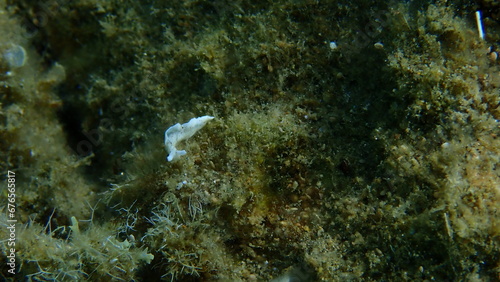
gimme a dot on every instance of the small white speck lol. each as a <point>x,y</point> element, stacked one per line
<point>378,45</point>
<point>180,184</point>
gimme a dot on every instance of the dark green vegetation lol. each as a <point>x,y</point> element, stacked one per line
<point>375,160</point>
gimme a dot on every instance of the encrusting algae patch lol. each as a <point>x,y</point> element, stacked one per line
<point>353,140</point>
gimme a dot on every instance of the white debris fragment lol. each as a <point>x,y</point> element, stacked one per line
<point>479,24</point>
<point>181,184</point>
<point>178,132</point>
<point>333,45</point>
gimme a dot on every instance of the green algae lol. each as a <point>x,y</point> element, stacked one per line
<point>376,160</point>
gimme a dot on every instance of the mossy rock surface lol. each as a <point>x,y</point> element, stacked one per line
<point>352,140</point>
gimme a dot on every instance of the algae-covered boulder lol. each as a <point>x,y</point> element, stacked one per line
<point>353,140</point>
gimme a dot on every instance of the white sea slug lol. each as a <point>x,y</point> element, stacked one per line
<point>179,132</point>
